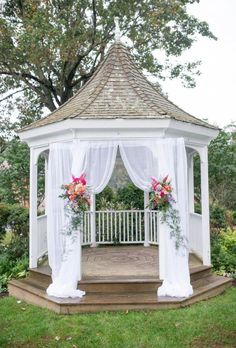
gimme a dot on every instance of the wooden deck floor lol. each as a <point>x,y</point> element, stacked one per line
<point>133,261</point>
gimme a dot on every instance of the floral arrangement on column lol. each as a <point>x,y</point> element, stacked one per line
<point>162,200</point>
<point>77,197</point>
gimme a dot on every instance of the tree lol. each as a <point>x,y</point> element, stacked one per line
<point>14,174</point>
<point>222,169</point>
<point>50,48</point>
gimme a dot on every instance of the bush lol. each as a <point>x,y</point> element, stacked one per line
<point>15,217</point>
<point>217,217</point>
<point>131,196</point>
<point>13,255</point>
<point>18,220</point>
<point>13,260</point>
<point>106,196</point>
<point>223,251</point>
<point>4,214</point>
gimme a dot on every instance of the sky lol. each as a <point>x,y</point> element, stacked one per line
<point>214,97</point>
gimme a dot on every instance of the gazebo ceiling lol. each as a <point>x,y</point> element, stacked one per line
<point>118,90</point>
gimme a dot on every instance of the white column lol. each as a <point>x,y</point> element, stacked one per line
<point>33,236</point>
<point>46,182</point>
<point>162,248</point>
<point>190,183</point>
<point>93,220</point>
<point>146,219</point>
<point>206,252</point>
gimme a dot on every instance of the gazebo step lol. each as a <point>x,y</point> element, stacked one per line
<point>41,277</point>
<point>30,292</point>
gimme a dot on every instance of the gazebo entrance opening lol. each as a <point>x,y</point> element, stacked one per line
<point>120,220</point>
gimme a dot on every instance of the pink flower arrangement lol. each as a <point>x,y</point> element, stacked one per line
<point>161,199</point>
<point>161,196</point>
<point>76,194</point>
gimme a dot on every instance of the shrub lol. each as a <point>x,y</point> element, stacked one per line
<point>4,214</point>
<point>18,220</point>
<point>217,217</point>
<point>15,217</point>
<point>106,196</point>
<point>14,254</point>
<point>223,250</point>
<point>13,260</point>
<point>131,196</point>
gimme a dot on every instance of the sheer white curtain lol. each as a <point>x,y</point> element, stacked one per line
<point>98,164</point>
<point>59,172</point>
<point>171,158</point>
<point>158,158</point>
<point>96,160</point>
<point>139,162</point>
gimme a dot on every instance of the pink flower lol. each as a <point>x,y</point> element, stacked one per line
<point>81,179</point>
<point>165,178</point>
<point>154,183</point>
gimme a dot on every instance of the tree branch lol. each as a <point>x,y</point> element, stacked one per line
<point>13,93</point>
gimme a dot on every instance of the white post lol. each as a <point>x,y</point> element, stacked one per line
<point>146,219</point>
<point>162,248</point>
<point>46,182</point>
<point>93,220</point>
<point>206,254</point>
<point>190,183</point>
<point>33,236</point>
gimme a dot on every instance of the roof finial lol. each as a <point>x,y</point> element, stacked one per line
<point>117,29</point>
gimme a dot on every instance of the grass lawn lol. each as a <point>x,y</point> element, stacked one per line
<point>209,324</point>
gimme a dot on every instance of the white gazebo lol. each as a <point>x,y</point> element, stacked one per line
<point>119,108</point>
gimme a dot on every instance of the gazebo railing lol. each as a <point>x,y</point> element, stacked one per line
<point>42,235</point>
<point>112,227</point>
<point>122,227</point>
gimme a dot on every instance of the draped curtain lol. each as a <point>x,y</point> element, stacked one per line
<point>142,159</point>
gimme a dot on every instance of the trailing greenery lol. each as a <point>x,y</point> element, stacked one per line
<point>205,325</point>
<point>223,252</point>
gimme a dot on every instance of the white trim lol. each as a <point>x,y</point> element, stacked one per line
<point>117,129</point>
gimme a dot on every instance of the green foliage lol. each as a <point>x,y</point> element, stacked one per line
<point>131,196</point>
<point>222,170</point>
<point>14,260</point>
<point>223,251</point>
<point>106,196</point>
<point>217,217</point>
<point>16,218</point>
<point>48,49</point>
<point>14,173</point>
<point>4,214</point>
<point>14,254</point>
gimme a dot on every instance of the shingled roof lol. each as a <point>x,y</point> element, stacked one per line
<point>118,90</point>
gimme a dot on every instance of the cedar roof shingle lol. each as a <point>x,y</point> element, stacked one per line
<point>118,90</point>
